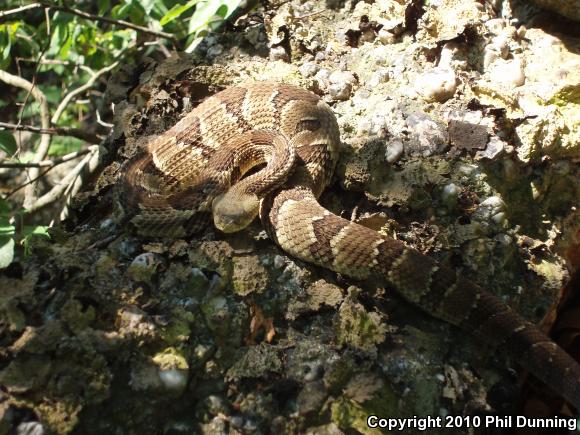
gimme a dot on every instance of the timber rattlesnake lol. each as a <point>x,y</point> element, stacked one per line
<point>195,170</point>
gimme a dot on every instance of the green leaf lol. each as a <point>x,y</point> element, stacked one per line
<point>148,5</point>
<point>62,145</point>
<point>5,210</point>
<point>30,232</point>
<point>5,43</point>
<point>6,251</point>
<point>211,14</point>
<point>38,230</point>
<point>120,12</point>
<point>6,241</point>
<point>8,143</point>
<point>104,6</point>
<point>53,93</point>
<point>176,12</point>
<point>137,13</point>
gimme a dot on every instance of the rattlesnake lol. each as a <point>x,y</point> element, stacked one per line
<point>195,170</point>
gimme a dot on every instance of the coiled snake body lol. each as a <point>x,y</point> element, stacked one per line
<point>195,170</point>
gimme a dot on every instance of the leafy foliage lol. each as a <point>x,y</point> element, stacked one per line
<point>7,143</point>
<point>6,235</point>
<point>74,41</point>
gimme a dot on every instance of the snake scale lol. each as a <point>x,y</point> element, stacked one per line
<point>286,141</point>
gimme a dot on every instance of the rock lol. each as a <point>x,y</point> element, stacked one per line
<point>495,25</point>
<point>376,125</point>
<point>495,148</point>
<point>173,379</point>
<point>386,36</point>
<point>509,73</point>
<point>567,8</point>
<point>311,398</point>
<point>214,51</point>
<point>453,56</point>
<point>498,48</point>
<point>445,20</point>
<point>249,276</point>
<point>278,52</point>
<point>173,369</point>
<point>322,78</point>
<point>341,85</point>
<point>30,428</point>
<point>144,266</point>
<point>469,132</point>
<point>427,137</point>
<point>381,76</point>
<point>394,151</point>
<point>309,69</point>
<point>438,84</point>
<point>450,193</point>
<point>492,209</point>
<point>340,91</point>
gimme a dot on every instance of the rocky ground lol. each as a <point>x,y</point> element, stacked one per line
<point>460,128</point>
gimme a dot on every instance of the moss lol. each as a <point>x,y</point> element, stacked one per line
<point>179,329</point>
<point>249,275</point>
<point>358,328</point>
<point>348,414</point>
<point>77,318</point>
<point>26,372</point>
<point>60,417</point>
<point>171,358</point>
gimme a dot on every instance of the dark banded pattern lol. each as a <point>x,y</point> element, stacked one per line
<point>170,190</point>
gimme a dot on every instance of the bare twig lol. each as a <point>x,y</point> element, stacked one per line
<point>48,61</point>
<point>70,181</point>
<point>310,15</point>
<point>55,131</point>
<point>80,90</point>
<point>120,23</point>
<point>45,163</point>
<point>22,186</point>
<point>92,17</point>
<point>20,9</point>
<point>42,150</point>
<point>77,183</point>
<point>101,122</point>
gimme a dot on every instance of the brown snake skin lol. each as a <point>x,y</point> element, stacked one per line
<point>170,191</point>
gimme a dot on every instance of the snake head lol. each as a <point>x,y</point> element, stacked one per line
<point>233,211</point>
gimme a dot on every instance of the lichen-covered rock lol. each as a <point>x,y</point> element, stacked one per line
<point>256,362</point>
<point>358,327</point>
<point>543,88</point>
<point>173,369</point>
<point>438,84</point>
<point>249,275</point>
<point>144,267</point>
<point>426,135</point>
<point>567,8</point>
<point>446,20</point>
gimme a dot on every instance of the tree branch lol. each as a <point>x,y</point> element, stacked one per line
<point>42,151</point>
<point>70,181</point>
<point>45,163</point>
<point>78,182</point>
<point>20,9</point>
<point>120,23</point>
<point>80,90</point>
<point>55,131</point>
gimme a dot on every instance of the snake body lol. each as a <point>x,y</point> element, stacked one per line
<point>196,170</point>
